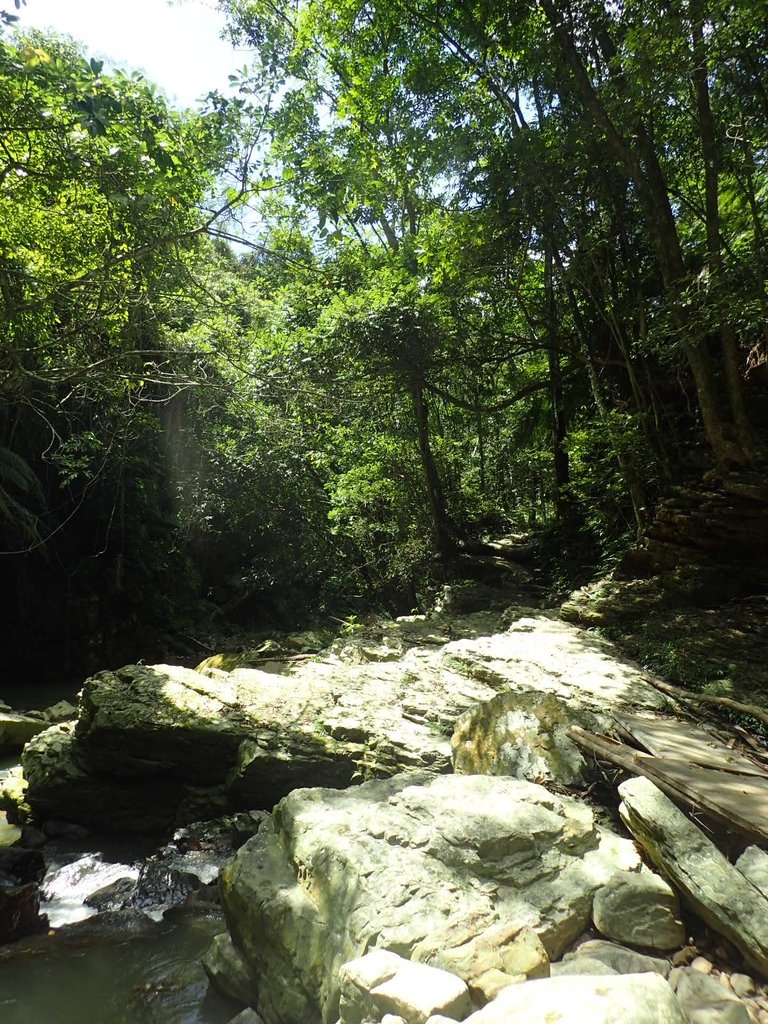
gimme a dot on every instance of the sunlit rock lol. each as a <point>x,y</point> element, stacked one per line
<point>427,867</point>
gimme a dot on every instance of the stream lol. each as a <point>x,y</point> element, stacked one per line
<point>107,966</point>
<point>89,978</point>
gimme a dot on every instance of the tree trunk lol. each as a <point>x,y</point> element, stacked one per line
<point>711,158</point>
<point>557,415</point>
<point>641,162</point>
<point>445,541</point>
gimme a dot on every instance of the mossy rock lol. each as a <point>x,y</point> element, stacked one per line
<point>13,793</point>
<point>252,658</point>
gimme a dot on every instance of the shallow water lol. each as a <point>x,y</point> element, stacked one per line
<point>70,879</point>
<point>96,979</point>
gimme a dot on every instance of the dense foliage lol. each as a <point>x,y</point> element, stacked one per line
<point>498,265</point>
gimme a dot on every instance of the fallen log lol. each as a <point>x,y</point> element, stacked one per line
<point>704,698</point>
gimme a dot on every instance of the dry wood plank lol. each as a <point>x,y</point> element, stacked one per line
<point>665,737</point>
<point>738,801</point>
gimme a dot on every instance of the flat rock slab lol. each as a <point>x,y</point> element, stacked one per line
<point>621,999</point>
<point>419,865</point>
<point>178,745</point>
<point>541,653</point>
<point>715,889</point>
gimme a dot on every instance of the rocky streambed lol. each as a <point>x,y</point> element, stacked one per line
<point>427,843</point>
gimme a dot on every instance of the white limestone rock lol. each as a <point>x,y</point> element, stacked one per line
<point>615,958</point>
<point>639,909</point>
<point>382,983</point>
<point>706,1001</point>
<point>421,865</point>
<point>541,653</point>
<point>626,999</point>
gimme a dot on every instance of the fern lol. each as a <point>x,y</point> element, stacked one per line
<point>16,473</point>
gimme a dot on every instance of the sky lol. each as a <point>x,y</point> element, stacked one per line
<point>176,46</point>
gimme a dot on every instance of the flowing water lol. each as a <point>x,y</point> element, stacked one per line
<point>140,966</point>
<point>121,967</point>
<point>90,978</point>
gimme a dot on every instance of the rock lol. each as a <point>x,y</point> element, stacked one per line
<point>753,864</point>
<point>228,971</point>
<point>706,1001</point>
<point>640,910</point>
<point>246,1016</point>
<point>382,983</point>
<point>20,874</point>
<point>54,829</point>
<point>160,746</point>
<point>113,896</point>
<point>488,985</point>
<point>715,889</point>
<point>58,783</point>
<point>417,864</point>
<point>523,734</point>
<point>581,965</point>
<point>32,838</point>
<point>19,910</point>
<point>13,797</point>
<point>743,985</point>
<point>540,653</point>
<point>62,711</point>
<point>159,886</point>
<point>629,999</point>
<point>618,959</point>
<point>510,950</point>
<point>702,965</point>
<point>23,865</point>
<point>16,730</point>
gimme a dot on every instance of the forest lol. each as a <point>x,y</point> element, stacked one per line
<point>432,272</point>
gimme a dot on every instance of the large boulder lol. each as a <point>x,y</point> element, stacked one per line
<point>157,746</point>
<point>160,746</point>
<point>523,733</point>
<point>641,910</point>
<point>61,784</point>
<point>428,867</point>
